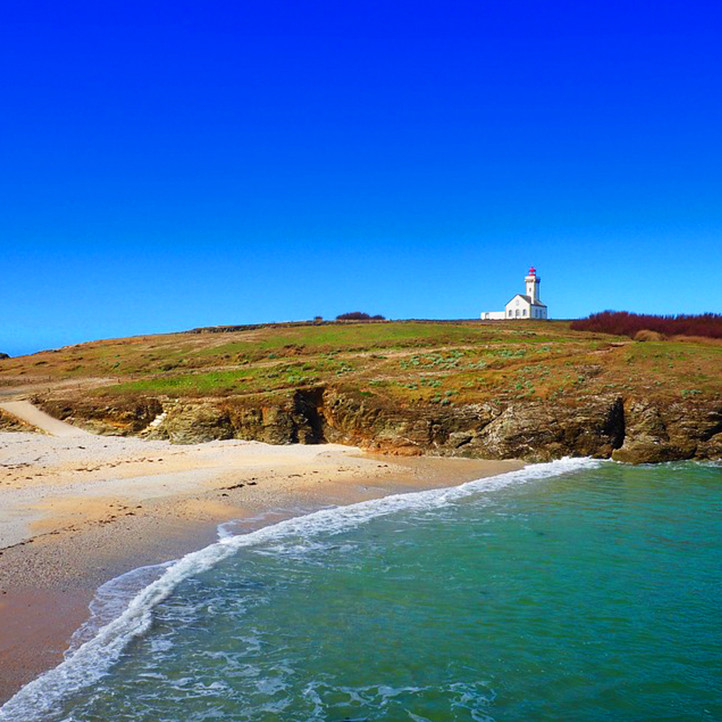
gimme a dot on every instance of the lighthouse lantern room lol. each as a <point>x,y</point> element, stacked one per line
<point>532,285</point>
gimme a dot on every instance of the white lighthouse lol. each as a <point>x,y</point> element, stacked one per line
<point>522,306</point>
<point>532,285</point>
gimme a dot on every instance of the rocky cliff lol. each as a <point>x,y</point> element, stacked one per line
<point>630,429</point>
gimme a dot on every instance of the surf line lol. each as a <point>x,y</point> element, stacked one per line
<point>94,658</point>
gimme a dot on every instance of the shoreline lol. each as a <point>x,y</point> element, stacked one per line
<point>78,512</point>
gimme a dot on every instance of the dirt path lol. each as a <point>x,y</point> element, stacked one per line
<point>25,411</point>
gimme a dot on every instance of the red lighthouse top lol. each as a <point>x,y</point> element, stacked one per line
<point>532,271</point>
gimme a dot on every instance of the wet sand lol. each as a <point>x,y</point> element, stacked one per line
<point>78,511</point>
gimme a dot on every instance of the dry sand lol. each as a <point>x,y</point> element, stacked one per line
<point>78,509</point>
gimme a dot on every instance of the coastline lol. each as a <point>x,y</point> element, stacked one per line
<point>78,512</point>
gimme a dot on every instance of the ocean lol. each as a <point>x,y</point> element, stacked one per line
<point>573,590</point>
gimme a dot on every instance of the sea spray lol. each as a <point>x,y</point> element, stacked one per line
<point>93,659</point>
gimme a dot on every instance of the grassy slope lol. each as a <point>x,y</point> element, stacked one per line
<point>397,363</point>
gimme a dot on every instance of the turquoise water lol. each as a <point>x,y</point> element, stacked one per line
<point>576,590</point>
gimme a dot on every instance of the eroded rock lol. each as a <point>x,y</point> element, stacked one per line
<point>633,430</point>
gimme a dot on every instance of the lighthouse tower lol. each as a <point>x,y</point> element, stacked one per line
<point>527,306</point>
<point>532,285</point>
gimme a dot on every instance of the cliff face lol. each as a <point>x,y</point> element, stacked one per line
<point>529,431</point>
<point>631,430</point>
<point>98,416</point>
<point>682,430</point>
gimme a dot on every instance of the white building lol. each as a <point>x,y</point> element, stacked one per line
<point>522,306</point>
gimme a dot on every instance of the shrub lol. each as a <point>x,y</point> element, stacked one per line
<point>646,335</point>
<point>359,316</point>
<point>629,324</point>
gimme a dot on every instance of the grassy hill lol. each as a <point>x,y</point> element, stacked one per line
<point>400,370</point>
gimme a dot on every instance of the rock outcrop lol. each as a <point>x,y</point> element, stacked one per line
<point>99,416</point>
<point>532,431</point>
<point>631,430</point>
<point>667,433</point>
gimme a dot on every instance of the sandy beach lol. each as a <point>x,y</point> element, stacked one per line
<point>78,510</point>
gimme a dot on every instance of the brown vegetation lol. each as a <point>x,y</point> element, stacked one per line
<point>647,335</point>
<point>622,323</point>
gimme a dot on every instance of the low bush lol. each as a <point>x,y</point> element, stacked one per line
<point>646,335</point>
<point>359,316</point>
<point>623,323</point>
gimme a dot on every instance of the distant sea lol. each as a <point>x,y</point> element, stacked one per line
<point>574,590</point>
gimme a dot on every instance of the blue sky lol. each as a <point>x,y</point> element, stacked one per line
<point>171,165</point>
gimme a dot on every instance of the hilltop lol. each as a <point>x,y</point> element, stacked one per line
<point>528,389</point>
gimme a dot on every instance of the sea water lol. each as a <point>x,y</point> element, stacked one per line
<point>576,590</point>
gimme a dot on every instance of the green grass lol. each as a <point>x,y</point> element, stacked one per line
<point>214,382</point>
<point>406,362</point>
<point>346,337</point>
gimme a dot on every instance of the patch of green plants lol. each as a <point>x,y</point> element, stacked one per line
<point>510,353</point>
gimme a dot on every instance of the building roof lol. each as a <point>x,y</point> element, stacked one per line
<point>528,300</point>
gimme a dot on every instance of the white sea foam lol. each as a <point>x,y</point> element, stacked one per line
<point>90,661</point>
<point>391,702</point>
<point>111,599</point>
<point>234,527</point>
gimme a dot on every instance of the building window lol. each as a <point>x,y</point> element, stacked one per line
<point>523,313</point>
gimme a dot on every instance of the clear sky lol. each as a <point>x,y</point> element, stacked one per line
<point>172,165</point>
